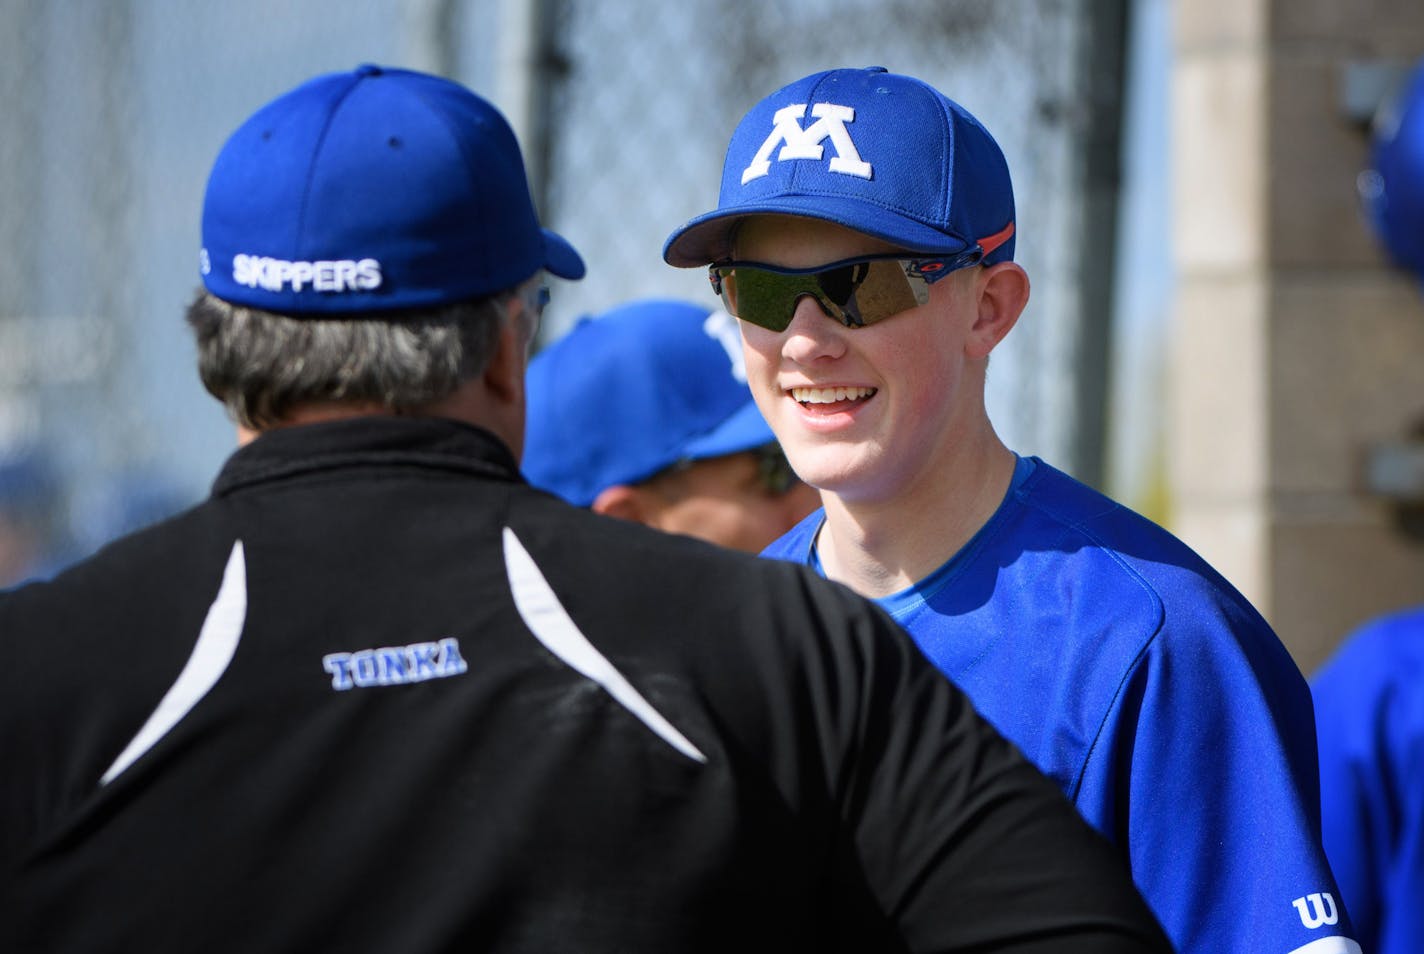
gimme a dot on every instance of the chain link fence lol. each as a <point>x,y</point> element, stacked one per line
<point>645,98</point>
<point>114,109</point>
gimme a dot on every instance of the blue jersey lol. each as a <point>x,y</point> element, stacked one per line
<point>1149,689</point>
<point>1369,706</point>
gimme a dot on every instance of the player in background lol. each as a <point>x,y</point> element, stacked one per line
<point>379,694</point>
<point>30,514</point>
<point>643,413</point>
<point>1369,696</point>
<point>1369,705</point>
<point>865,235</point>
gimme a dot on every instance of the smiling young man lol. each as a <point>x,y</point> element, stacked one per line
<point>865,237</point>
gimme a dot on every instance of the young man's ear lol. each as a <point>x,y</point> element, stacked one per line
<point>1001,295</point>
<point>626,503</point>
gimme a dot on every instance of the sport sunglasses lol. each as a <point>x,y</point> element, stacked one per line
<point>856,292</point>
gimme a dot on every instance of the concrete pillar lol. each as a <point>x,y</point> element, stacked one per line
<point>1295,348</point>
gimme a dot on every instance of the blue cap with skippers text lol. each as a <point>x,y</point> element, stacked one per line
<point>373,190</point>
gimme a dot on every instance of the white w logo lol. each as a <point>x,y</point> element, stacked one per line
<point>806,143</point>
<point>1316,910</point>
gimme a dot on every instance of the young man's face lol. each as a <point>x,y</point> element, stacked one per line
<point>908,395</point>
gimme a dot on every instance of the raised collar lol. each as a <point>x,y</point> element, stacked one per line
<point>365,441</point>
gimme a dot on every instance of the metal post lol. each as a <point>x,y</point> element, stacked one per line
<point>1103,68</point>
<point>523,85</point>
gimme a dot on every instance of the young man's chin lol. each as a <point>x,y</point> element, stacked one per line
<point>834,470</point>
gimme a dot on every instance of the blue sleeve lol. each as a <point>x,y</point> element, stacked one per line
<point>1213,734</point>
<point>1369,703</point>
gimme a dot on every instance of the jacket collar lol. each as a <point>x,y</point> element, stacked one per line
<point>364,441</point>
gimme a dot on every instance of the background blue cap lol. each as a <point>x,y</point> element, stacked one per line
<point>372,190</point>
<point>629,393</point>
<point>883,154</point>
<point>1393,189</point>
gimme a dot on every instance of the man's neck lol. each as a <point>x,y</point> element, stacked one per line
<point>470,402</point>
<point>312,412</point>
<point>881,547</point>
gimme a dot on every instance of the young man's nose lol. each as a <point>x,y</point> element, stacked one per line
<point>812,333</point>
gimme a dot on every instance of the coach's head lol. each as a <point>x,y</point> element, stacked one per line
<point>370,247</point>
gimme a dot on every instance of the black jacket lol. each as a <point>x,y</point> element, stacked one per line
<point>379,694</point>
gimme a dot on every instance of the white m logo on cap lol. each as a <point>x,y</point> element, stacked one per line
<point>806,143</point>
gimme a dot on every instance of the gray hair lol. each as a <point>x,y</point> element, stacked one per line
<point>262,365</point>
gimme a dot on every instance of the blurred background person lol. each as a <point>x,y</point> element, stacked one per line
<point>43,530</point>
<point>1369,696</point>
<point>1369,713</point>
<point>30,516</point>
<point>126,502</point>
<point>644,413</point>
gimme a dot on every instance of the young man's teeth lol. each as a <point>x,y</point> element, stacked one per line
<point>830,395</point>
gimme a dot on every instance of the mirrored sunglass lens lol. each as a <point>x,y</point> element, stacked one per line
<point>724,280</point>
<point>764,298</point>
<point>839,284</point>
<point>887,291</point>
<point>858,294</point>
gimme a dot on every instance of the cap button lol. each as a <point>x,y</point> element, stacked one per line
<point>368,69</point>
<point>876,69</point>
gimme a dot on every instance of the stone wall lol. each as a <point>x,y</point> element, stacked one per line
<point>1296,349</point>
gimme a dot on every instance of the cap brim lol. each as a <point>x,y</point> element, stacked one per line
<point>707,238</point>
<point>560,258</point>
<point>743,431</point>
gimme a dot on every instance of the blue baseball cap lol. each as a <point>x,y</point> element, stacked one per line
<point>883,154</point>
<point>1393,187</point>
<point>631,392</point>
<point>373,190</point>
